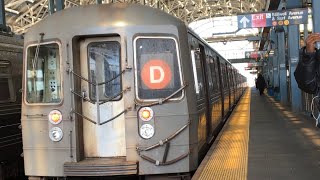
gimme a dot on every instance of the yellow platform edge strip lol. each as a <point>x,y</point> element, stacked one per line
<point>227,159</point>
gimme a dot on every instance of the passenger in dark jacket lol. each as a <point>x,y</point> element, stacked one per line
<point>261,83</point>
<point>308,68</point>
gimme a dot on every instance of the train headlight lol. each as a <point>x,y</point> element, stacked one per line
<point>146,114</point>
<point>55,117</point>
<point>55,134</point>
<point>146,131</point>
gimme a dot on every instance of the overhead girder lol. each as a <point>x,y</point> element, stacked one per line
<point>22,14</point>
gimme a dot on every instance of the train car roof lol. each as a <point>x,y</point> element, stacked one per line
<point>104,15</point>
<point>207,44</point>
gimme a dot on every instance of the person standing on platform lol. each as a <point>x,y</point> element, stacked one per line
<point>307,73</point>
<point>261,84</point>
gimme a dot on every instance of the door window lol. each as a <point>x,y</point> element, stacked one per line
<point>104,69</point>
<point>43,74</point>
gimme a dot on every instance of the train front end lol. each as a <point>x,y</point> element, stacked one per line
<point>107,96</point>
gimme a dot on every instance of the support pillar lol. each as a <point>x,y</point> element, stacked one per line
<point>59,5</point>
<point>293,45</point>
<point>282,66</point>
<point>2,15</point>
<point>316,15</point>
<point>269,61</point>
<point>275,64</point>
<point>51,7</point>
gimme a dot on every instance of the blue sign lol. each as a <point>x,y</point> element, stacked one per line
<point>273,18</point>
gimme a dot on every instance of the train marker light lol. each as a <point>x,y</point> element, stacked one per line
<point>146,114</point>
<point>146,131</point>
<point>55,117</point>
<point>55,134</point>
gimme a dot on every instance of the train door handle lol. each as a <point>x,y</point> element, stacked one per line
<point>84,95</point>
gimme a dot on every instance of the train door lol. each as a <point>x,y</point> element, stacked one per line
<point>205,72</point>
<point>102,107</point>
<point>231,86</point>
<point>221,86</point>
<point>228,84</point>
<point>215,94</point>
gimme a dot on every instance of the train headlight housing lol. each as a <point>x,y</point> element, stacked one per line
<point>146,114</point>
<point>146,131</point>
<point>55,117</point>
<point>55,134</point>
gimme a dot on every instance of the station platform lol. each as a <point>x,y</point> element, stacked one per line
<point>263,140</point>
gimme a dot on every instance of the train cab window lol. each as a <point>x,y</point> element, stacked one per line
<point>6,85</point>
<point>213,74</point>
<point>104,65</point>
<point>224,75</point>
<point>157,68</point>
<point>210,78</point>
<point>43,83</point>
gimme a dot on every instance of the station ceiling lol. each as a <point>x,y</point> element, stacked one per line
<point>22,14</point>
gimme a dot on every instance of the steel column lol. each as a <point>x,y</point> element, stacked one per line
<point>293,45</point>
<point>282,67</point>
<point>269,79</point>
<point>59,5</point>
<point>271,70</point>
<point>316,15</point>
<point>273,38</point>
<point>2,15</point>
<point>305,31</point>
<point>51,6</point>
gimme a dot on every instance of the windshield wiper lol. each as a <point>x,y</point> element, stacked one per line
<point>36,55</point>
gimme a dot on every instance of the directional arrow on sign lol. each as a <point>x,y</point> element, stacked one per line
<point>244,21</point>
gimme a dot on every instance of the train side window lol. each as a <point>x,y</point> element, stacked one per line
<point>157,68</point>
<point>6,84</point>
<point>213,74</point>
<point>224,75</point>
<point>209,73</point>
<point>216,64</point>
<point>104,65</point>
<point>43,81</point>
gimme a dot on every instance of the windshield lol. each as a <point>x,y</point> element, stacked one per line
<point>158,73</point>
<point>43,74</point>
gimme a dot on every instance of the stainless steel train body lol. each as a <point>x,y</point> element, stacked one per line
<point>120,89</point>
<point>11,162</point>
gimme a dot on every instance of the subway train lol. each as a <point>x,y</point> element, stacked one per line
<point>121,89</point>
<point>11,161</point>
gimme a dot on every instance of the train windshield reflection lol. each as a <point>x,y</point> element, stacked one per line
<point>43,74</point>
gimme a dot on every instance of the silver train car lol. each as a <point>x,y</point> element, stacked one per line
<point>121,89</point>
<point>11,161</point>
